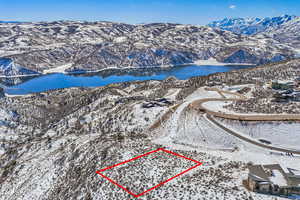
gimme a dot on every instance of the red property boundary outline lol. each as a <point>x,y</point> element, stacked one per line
<point>146,154</point>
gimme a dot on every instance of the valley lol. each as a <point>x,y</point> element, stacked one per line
<point>109,110</point>
<point>53,142</point>
<point>35,48</point>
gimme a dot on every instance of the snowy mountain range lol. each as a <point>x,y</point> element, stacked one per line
<point>91,46</point>
<point>250,26</point>
<point>287,33</point>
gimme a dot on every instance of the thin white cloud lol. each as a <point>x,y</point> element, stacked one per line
<point>232,7</point>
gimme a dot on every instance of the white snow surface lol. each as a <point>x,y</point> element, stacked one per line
<point>277,178</point>
<point>59,69</point>
<point>214,62</point>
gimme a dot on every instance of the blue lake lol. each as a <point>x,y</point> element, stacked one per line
<point>58,80</point>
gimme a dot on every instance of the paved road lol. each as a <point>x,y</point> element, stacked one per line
<point>247,139</point>
<point>262,117</point>
<point>198,105</point>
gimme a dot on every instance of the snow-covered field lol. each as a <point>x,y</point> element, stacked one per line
<point>59,69</point>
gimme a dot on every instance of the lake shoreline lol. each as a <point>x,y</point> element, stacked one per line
<point>45,82</point>
<point>210,62</point>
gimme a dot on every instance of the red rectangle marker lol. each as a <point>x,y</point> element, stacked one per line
<point>146,154</point>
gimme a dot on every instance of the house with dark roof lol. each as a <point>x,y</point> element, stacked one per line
<point>273,179</point>
<point>297,81</point>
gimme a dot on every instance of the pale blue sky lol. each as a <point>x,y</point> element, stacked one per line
<point>144,11</point>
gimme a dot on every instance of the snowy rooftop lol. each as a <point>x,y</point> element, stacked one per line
<point>278,178</point>
<point>275,174</point>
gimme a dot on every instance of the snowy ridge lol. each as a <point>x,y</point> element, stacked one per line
<point>92,46</point>
<point>250,26</point>
<point>287,33</point>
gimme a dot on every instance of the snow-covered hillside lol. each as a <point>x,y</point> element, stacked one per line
<point>9,68</point>
<point>288,33</point>
<point>97,45</point>
<point>52,143</point>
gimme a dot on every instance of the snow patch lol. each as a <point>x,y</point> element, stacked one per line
<point>59,69</point>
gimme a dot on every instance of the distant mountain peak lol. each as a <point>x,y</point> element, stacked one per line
<point>250,26</point>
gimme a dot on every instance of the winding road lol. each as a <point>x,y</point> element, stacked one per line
<point>198,105</point>
<point>249,140</point>
<point>210,114</point>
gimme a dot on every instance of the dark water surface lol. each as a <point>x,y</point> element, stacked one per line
<point>58,80</point>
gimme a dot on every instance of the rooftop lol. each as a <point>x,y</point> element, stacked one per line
<point>275,174</point>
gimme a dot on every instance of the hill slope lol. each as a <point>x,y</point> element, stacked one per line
<point>98,45</point>
<point>287,33</point>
